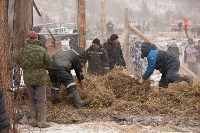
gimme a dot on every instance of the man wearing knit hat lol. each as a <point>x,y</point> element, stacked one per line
<point>34,59</point>
<point>97,58</point>
<point>115,55</point>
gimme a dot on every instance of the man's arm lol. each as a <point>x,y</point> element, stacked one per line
<point>151,64</point>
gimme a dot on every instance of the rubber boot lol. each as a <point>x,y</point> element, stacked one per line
<point>76,100</point>
<point>186,78</point>
<point>33,117</point>
<point>54,96</point>
<point>42,118</point>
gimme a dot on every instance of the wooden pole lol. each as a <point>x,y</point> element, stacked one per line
<point>82,23</point>
<point>82,26</point>
<point>102,22</point>
<point>125,41</point>
<point>183,69</point>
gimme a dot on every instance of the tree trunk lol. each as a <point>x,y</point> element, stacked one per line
<point>4,46</point>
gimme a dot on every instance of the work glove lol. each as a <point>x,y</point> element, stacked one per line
<point>141,81</point>
<point>81,77</point>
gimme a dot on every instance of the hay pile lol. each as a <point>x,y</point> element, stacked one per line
<point>117,94</point>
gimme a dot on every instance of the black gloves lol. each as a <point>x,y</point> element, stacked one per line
<point>80,77</point>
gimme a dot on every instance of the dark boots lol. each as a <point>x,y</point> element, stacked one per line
<point>76,100</point>
<point>42,117</point>
<point>33,117</point>
<point>54,96</point>
<point>185,78</point>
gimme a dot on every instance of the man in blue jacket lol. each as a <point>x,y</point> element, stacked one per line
<point>166,63</point>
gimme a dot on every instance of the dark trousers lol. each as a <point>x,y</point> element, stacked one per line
<point>37,96</point>
<point>59,77</point>
<point>169,74</point>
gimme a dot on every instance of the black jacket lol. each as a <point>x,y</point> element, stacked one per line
<point>115,54</point>
<point>174,51</point>
<point>164,60</point>
<point>73,42</point>
<point>97,61</point>
<point>4,122</point>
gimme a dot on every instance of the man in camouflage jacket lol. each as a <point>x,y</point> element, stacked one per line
<point>34,60</point>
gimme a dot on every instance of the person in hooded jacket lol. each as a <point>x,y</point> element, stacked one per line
<point>166,63</point>
<point>97,58</point>
<point>115,55</point>
<point>4,121</point>
<point>60,73</point>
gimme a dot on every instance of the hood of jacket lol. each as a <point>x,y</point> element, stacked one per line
<point>146,48</point>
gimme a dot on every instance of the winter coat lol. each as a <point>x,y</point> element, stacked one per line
<point>115,54</point>
<point>174,51</point>
<point>157,59</point>
<point>34,60</point>
<point>97,61</point>
<point>68,60</point>
<point>4,122</point>
<point>73,42</point>
<point>191,54</point>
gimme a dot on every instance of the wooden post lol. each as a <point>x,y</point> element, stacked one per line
<point>82,26</point>
<point>22,22</point>
<point>82,23</point>
<point>183,69</point>
<point>4,46</point>
<point>102,22</point>
<point>126,45</point>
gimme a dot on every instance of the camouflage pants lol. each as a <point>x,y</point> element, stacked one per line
<point>37,96</point>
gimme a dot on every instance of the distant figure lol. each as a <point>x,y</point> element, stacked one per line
<point>97,58</point>
<point>115,55</point>
<point>135,54</point>
<point>173,49</point>
<point>41,38</point>
<point>186,26</point>
<point>198,58</point>
<point>110,28</point>
<point>191,55</point>
<point>73,42</point>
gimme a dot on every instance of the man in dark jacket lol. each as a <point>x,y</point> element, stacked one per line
<point>114,50</point>
<point>4,121</point>
<point>97,58</point>
<point>166,63</point>
<point>60,73</point>
<point>73,42</point>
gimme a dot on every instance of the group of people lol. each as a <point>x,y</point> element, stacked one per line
<point>35,61</point>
